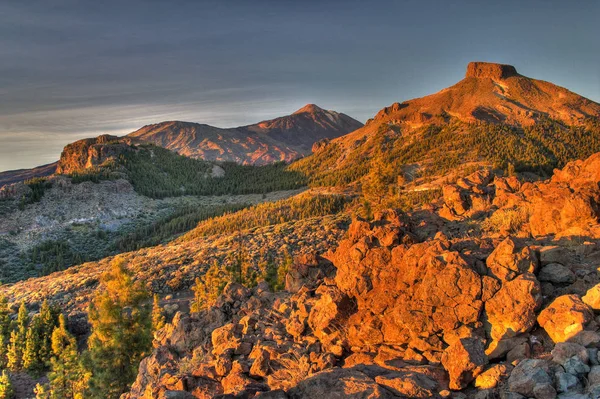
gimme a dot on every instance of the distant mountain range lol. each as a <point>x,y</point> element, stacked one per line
<point>281,139</point>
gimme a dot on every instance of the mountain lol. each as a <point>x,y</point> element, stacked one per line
<point>494,117</point>
<point>280,139</point>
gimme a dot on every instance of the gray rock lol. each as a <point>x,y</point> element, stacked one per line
<point>557,274</point>
<point>566,382</point>
<point>593,356</point>
<point>574,365</point>
<point>544,392</point>
<point>528,374</point>
<point>594,376</point>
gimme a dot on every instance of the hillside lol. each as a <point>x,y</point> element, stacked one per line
<point>281,139</point>
<point>493,117</point>
<point>15,176</point>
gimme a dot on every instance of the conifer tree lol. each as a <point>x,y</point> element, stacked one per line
<point>67,378</point>
<point>208,288</point>
<point>6,387</point>
<point>32,359</point>
<point>121,332</point>
<point>17,341</point>
<point>5,328</point>
<point>282,271</point>
<point>48,322</point>
<point>158,318</point>
<point>14,354</point>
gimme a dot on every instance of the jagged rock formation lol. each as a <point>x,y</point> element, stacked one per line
<point>401,314</point>
<point>90,153</point>
<point>281,139</point>
<point>568,204</point>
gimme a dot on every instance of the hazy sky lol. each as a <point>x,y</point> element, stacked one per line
<point>74,69</point>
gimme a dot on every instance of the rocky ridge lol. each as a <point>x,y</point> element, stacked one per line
<point>395,311</point>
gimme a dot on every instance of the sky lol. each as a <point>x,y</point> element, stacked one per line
<point>71,69</point>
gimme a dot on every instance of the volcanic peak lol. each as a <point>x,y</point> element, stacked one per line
<point>490,70</point>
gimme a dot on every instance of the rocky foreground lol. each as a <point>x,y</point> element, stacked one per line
<point>399,311</point>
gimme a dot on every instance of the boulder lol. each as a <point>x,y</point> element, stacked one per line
<point>557,274</point>
<point>509,260</point>
<point>529,374</point>
<point>464,360</point>
<point>493,376</point>
<point>512,310</point>
<point>339,384</point>
<point>408,384</point>
<point>565,317</point>
<point>592,297</point>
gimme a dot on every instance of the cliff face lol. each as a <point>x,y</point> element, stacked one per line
<point>89,153</point>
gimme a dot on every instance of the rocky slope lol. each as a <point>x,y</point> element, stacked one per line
<point>493,117</point>
<point>413,306</point>
<point>281,139</point>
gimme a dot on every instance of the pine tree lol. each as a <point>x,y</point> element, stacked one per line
<point>282,271</point>
<point>5,328</point>
<point>67,378</point>
<point>158,318</point>
<point>32,359</point>
<point>48,322</point>
<point>17,340</point>
<point>121,332</point>
<point>208,288</point>
<point>14,354</point>
<point>6,388</point>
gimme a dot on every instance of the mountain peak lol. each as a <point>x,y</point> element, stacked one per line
<point>490,70</point>
<point>309,108</point>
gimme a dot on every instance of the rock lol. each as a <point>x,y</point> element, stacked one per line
<point>528,374</point>
<point>490,70</point>
<point>586,338</point>
<point>565,350</point>
<point>544,392</point>
<point>493,376</point>
<point>508,260</point>
<point>568,203</point>
<point>260,367</point>
<point>277,394</point>
<point>592,297</point>
<point>574,365</point>
<point>554,254</point>
<point>464,360</point>
<point>226,337</point>
<point>408,384</point>
<point>512,310</point>
<point>557,274</point>
<point>594,376</point>
<point>565,317</point>
<point>566,382</point>
<point>177,395</point>
<point>339,383</point>
<point>519,352</point>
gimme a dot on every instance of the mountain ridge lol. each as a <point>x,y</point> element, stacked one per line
<point>280,139</point>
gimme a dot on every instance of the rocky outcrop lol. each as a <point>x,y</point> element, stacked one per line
<point>90,153</point>
<point>396,318</point>
<point>490,70</point>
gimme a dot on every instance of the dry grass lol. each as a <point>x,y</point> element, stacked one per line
<point>511,220</point>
